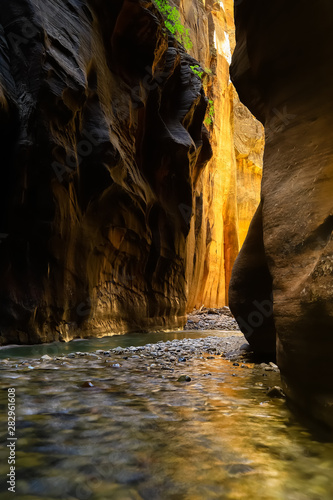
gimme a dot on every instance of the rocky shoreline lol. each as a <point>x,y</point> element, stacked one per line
<point>176,359</point>
<point>211,319</point>
<point>123,402</point>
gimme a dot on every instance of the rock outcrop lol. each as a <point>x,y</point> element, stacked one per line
<point>102,140</point>
<point>283,71</point>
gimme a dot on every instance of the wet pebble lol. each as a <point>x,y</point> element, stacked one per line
<point>276,392</point>
<point>237,469</point>
<point>87,384</point>
<point>118,350</point>
<point>46,357</point>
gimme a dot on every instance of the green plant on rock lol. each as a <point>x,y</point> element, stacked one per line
<point>204,75</point>
<point>173,23</point>
<point>196,70</point>
<point>210,113</point>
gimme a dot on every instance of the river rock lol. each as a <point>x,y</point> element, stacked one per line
<point>184,378</point>
<point>276,392</point>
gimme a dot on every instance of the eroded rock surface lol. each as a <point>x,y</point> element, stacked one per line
<point>101,137</point>
<point>283,72</point>
<point>110,221</point>
<point>227,193</point>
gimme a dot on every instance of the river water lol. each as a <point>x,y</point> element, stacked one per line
<point>139,434</point>
<point>91,345</point>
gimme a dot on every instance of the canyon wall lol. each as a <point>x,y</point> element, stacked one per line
<point>282,279</point>
<point>227,193</point>
<point>111,218</point>
<point>102,139</point>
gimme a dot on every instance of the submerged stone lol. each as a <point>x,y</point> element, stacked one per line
<point>276,392</point>
<point>184,378</point>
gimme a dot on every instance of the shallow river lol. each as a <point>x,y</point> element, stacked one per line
<point>91,345</point>
<point>139,434</point>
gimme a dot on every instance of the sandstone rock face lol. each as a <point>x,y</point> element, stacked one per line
<point>110,221</point>
<point>283,72</point>
<point>250,293</point>
<point>249,142</point>
<point>227,193</point>
<point>101,140</point>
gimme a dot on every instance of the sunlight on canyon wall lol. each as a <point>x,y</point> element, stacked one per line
<point>111,220</point>
<point>227,193</point>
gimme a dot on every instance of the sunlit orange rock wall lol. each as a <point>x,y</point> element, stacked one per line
<point>227,192</point>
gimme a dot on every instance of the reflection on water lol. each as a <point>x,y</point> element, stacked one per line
<point>136,435</point>
<point>105,343</point>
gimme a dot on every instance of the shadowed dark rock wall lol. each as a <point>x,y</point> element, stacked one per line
<point>101,137</point>
<point>283,71</point>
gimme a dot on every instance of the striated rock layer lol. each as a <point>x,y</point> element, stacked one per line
<point>227,193</point>
<point>283,71</point>
<point>102,143</point>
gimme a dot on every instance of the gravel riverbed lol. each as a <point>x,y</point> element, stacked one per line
<point>194,415</point>
<point>175,359</point>
<point>211,319</point>
<point>126,416</point>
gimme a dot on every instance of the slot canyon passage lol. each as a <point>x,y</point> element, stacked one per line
<point>163,161</point>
